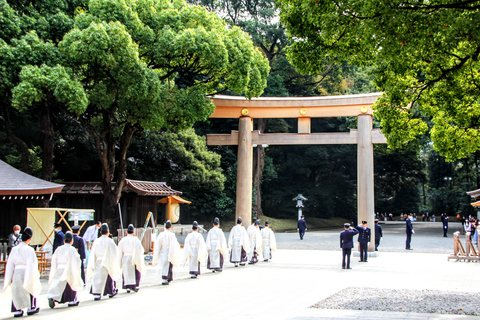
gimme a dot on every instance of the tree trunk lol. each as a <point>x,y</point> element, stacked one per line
<point>107,146</point>
<point>48,142</point>
<point>19,143</point>
<point>259,163</point>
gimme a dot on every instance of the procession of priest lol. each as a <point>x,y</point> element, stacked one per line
<point>108,262</point>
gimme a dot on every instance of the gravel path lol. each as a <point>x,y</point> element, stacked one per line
<point>419,301</point>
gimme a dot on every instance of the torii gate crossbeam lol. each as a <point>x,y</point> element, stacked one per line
<point>304,109</point>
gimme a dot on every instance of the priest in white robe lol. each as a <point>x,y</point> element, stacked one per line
<point>217,248</point>
<point>131,259</point>
<point>195,251</point>
<point>269,244</point>
<point>103,266</point>
<point>22,278</point>
<point>65,274</point>
<point>255,242</point>
<point>166,253</point>
<point>239,244</point>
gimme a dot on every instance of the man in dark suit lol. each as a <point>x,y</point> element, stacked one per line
<point>346,243</point>
<point>378,234</point>
<point>409,231</point>
<point>364,233</point>
<point>445,226</point>
<point>59,237</point>
<point>79,244</point>
<point>302,227</point>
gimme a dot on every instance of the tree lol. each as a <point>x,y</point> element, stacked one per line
<point>425,56</point>
<point>29,35</point>
<point>130,66</point>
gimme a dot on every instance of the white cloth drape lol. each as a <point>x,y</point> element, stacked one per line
<point>103,261</point>
<point>22,278</point>
<point>166,251</point>
<point>65,268</point>
<point>195,250</point>
<point>130,255</point>
<point>269,242</point>
<point>216,244</point>
<point>238,238</point>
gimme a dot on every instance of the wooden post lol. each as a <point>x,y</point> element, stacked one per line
<point>244,171</point>
<point>365,192</point>
<point>168,214</point>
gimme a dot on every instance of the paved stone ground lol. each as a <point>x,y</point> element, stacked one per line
<point>301,274</point>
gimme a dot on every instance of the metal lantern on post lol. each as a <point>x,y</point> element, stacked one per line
<point>300,199</point>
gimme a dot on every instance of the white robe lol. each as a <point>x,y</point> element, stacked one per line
<point>269,242</point>
<point>90,234</point>
<point>103,262</point>
<point>255,241</point>
<point>65,268</point>
<point>195,250</point>
<point>130,255</point>
<point>22,278</point>
<point>216,244</point>
<point>238,239</point>
<point>166,251</point>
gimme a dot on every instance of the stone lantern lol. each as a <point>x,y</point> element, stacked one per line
<point>300,199</point>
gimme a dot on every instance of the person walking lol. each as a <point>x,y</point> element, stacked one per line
<point>239,244</point>
<point>59,239</point>
<point>346,243</point>
<point>65,277</point>
<point>131,260</point>
<point>216,246</point>
<point>79,244</point>
<point>409,230</point>
<point>195,251</point>
<point>22,278</point>
<point>166,253</point>
<point>301,227</point>
<point>103,268</point>
<point>445,226</point>
<point>269,243</point>
<point>378,234</point>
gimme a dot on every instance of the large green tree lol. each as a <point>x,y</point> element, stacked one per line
<point>127,66</point>
<point>425,55</point>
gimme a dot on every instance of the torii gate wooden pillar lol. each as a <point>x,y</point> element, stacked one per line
<point>304,109</point>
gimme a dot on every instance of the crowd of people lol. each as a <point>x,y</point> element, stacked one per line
<point>108,262</point>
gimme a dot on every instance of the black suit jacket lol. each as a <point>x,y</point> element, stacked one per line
<point>59,240</point>
<point>79,244</point>
<point>302,225</point>
<point>409,228</point>
<point>346,238</point>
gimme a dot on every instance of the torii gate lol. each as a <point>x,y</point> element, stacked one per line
<point>305,108</point>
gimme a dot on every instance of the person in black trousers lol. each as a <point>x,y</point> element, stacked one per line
<point>364,233</point>
<point>378,234</point>
<point>445,226</point>
<point>79,244</point>
<point>346,243</point>
<point>302,227</point>
<point>409,230</point>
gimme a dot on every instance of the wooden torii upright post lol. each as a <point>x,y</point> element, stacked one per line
<point>359,105</point>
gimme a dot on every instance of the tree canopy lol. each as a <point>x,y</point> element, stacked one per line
<point>120,67</point>
<point>425,55</point>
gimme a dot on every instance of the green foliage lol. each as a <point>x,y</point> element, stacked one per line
<point>424,53</point>
<point>14,159</point>
<point>181,158</point>
<point>398,176</point>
